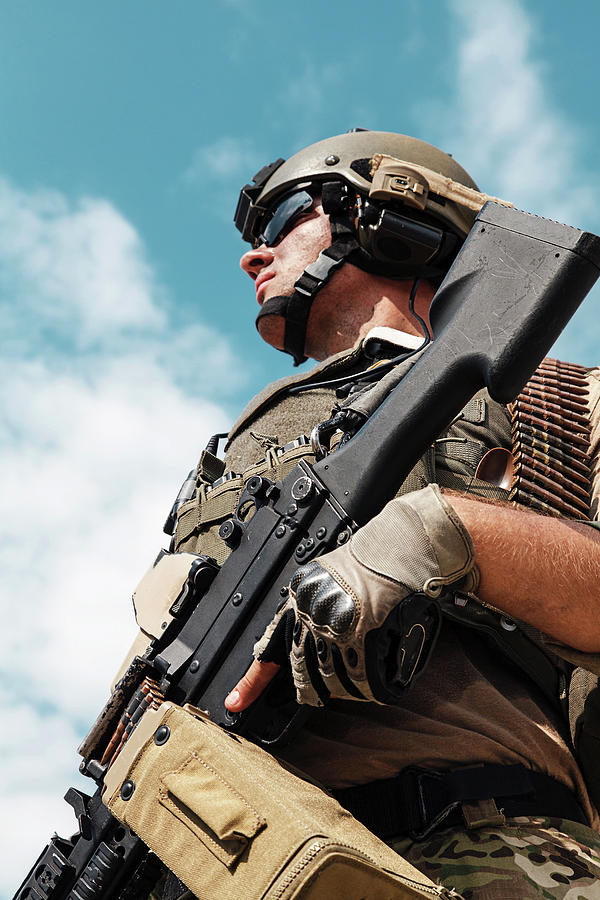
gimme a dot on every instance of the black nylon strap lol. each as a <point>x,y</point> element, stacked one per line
<point>314,277</point>
<point>419,800</point>
<point>274,306</point>
<point>296,308</point>
<point>173,888</point>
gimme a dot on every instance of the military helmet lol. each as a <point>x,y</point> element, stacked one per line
<point>348,156</point>
<point>402,222</point>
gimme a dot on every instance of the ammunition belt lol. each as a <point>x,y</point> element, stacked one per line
<point>147,696</point>
<point>551,441</point>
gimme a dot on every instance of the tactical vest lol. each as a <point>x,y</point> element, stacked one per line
<point>547,432</point>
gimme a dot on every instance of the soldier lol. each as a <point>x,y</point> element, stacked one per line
<point>471,774</point>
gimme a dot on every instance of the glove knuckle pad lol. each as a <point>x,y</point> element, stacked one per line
<point>304,572</point>
<point>322,600</point>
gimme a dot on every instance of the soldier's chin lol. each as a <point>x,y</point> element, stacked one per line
<point>272,329</point>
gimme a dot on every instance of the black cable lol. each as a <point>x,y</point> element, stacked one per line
<point>371,374</point>
<point>411,307</point>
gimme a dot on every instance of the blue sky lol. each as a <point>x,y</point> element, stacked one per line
<point>128,337</point>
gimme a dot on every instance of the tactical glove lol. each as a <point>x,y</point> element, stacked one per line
<point>361,621</point>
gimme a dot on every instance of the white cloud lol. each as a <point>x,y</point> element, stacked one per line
<point>243,7</point>
<point>219,169</point>
<point>504,125</point>
<point>80,265</point>
<point>307,97</point>
<point>97,433</point>
<point>225,158</point>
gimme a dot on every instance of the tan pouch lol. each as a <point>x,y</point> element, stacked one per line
<point>232,821</point>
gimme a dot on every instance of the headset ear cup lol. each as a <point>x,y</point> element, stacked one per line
<point>399,240</point>
<point>401,247</point>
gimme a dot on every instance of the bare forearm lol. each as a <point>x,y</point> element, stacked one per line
<point>540,569</point>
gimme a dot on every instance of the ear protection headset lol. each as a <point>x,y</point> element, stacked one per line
<point>397,207</point>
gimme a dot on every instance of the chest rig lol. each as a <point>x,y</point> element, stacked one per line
<point>273,434</point>
<point>545,438</point>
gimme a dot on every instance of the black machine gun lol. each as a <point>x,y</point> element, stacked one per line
<point>511,290</point>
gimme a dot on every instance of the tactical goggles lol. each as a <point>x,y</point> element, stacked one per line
<point>282,217</point>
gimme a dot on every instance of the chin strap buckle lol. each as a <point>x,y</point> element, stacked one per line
<point>317,273</point>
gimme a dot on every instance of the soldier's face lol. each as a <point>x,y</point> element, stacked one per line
<point>275,269</point>
<point>352,301</point>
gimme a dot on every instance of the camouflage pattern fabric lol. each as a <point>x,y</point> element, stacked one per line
<point>526,858</point>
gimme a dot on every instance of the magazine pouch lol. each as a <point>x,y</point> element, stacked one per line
<point>230,820</point>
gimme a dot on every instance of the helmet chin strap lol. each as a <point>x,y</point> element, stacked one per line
<point>295,308</point>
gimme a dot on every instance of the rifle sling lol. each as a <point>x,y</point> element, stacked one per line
<point>417,801</point>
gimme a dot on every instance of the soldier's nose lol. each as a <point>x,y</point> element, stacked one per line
<point>254,261</point>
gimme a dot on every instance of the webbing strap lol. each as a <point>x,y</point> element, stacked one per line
<point>295,309</point>
<point>314,277</point>
<point>417,801</point>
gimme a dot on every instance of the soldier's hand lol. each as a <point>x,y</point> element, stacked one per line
<point>251,686</point>
<point>361,621</point>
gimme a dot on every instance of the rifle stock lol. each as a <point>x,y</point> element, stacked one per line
<point>511,290</point>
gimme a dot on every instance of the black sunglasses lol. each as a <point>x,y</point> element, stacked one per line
<point>282,217</point>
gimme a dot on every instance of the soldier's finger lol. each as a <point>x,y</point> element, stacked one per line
<point>251,686</point>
